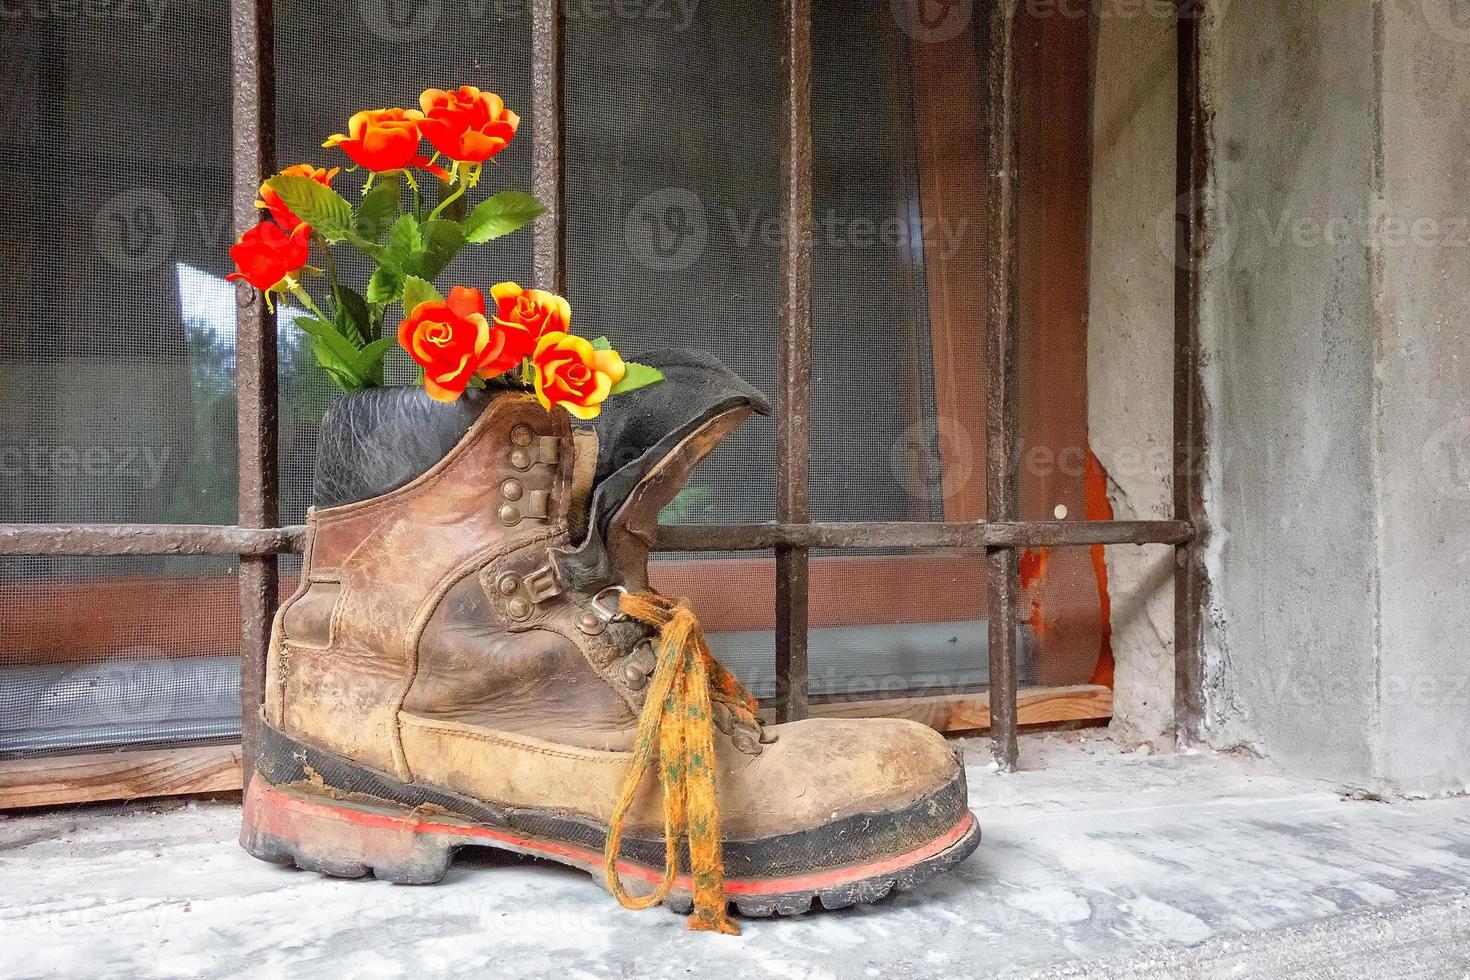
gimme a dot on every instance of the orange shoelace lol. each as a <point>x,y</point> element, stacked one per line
<point>678,726</point>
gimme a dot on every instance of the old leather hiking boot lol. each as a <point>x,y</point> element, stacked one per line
<point>474,657</point>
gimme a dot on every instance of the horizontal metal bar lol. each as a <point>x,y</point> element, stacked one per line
<point>148,539</point>
<point>211,539</point>
<point>920,534</point>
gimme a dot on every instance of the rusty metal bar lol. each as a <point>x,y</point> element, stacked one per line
<point>214,539</point>
<point>793,436</point>
<point>548,126</point>
<point>1001,410</point>
<point>252,79</point>
<point>919,534</point>
<point>1189,578</point>
<point>149,539</point>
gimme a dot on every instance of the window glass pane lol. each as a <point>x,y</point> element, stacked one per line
<point>100,652</point>
<point>873,433</point>
<point>117,330</point>
<point>673,209</point>
<point>900,620</point>
<point>117,348</point>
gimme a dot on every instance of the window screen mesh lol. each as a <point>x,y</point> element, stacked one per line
<point>1062,586</point>
<point>117,352</point>
<point>672,192</point>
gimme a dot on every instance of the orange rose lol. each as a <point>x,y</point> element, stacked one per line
<point>265,254</point>
<point>452,341</point>
<point>381,139</point>
<point>466,124</point>
<point>528,314</point>
<point>272,202</point>
<point>571,373</point>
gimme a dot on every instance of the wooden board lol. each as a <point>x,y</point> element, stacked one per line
<point>971,712</point>
<point>58,779</point>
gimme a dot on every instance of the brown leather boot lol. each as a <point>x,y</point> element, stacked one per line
<point>457,668</point>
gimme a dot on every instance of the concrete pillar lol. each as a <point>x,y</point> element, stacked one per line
<point>1422,251</point>
<point>1336,294</point>
<point>1130,344</point>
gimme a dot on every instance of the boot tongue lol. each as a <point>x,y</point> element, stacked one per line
<point>695,389</point>
<point>637,430</point>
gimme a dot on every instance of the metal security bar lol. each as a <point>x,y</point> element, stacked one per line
<point>253,97</point>
<point>257,539</point>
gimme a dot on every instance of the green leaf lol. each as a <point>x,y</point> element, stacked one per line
<point>602,343</point>
<point>403,240</point>
<point>374,251</point>
<point>378,209</point>
<point>501,215</point>
<point>442,241</point>
<point>350,314</point>
<point>385,286</point>
<point>369,362</point>
<point>317,205</point>
<point>416,291</point>
<point>638,376</point>
<point>337,355</point>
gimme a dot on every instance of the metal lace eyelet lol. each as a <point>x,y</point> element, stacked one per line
<point>599,604</point>
<point>600,612</point>
<point>635,678</point>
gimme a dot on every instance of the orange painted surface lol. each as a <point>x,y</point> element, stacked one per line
<point>1032,573</point>
<point>1033,566</point>
<point>1099,508</point>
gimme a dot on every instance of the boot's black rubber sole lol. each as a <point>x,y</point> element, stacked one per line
<point>325,813</point>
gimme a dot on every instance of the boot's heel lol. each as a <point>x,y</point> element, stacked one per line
<point>345,841</point>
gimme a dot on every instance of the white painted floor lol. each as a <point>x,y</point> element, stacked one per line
<point>1094,863</point>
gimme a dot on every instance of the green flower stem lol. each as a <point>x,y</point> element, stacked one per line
<point>408,176</point>
<point>457,180</point>
<point>326,249</point>
<point>299,291</point>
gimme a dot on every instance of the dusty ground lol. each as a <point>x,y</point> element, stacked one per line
<point>1098,864</point>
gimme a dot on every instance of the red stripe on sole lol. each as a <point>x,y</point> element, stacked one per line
<point>294,818</point>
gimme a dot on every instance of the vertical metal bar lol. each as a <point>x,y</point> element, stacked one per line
<point>1189,578</point>
<point>254,120</point>
<point>793,437</point>
<point>1001,493</point>
<point>548,122</point>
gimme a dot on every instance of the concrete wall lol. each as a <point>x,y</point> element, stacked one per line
<point>1335,311</point>
<point>1289,348</point>
<point>1422,248</point>
<point>1130,349</point>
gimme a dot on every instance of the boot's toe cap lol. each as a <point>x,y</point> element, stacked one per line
<point>823,771</point>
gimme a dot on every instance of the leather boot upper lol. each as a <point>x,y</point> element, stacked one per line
<point>458,625</point>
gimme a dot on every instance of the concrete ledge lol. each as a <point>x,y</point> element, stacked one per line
<point>1094,863</point>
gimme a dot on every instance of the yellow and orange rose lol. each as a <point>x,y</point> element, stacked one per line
<point>452,341</point>
<point>528,314</point>
<point>380,139</point>
<point>574,374</point>
<point>466,124</point>
<point>271,201</point>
